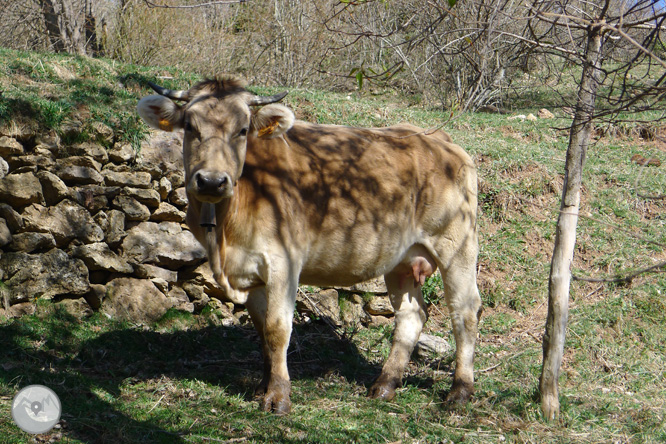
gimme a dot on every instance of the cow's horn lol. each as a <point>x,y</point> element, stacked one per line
<point>265,100</point>
<point>173,95</point>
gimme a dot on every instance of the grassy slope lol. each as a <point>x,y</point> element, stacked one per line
<point>189,379</point>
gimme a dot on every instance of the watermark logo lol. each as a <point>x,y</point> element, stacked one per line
<point>36,409</point>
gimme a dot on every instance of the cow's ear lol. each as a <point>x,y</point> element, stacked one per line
<point>161,113</point>
<point>271,121</point>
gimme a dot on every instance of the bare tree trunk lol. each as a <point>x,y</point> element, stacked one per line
<point>90,23</point>
<point>56,34</point>
<point>65,24</point>
<point>565,237</point>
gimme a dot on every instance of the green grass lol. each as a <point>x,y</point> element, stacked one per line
<point>188,379</point>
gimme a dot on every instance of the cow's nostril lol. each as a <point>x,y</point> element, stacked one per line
<point>211,183</point>
<point>201,182</point>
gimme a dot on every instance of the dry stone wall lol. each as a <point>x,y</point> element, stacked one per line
<point>94,227</point>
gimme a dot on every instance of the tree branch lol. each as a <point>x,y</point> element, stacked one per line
<point>624,279</point>
<point>198,5</point>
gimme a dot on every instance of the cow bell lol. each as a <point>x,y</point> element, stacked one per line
<point>207,218</point>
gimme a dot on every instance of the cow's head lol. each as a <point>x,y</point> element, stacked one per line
<point>217,116</point>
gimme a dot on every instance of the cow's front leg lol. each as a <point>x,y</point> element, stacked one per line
<point>257,307</point>
<point>272,312</point>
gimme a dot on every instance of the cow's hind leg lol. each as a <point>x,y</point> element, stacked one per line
<point>464,304</point>
<point>410,315</point>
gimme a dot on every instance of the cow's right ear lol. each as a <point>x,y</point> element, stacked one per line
<point>160,112</point>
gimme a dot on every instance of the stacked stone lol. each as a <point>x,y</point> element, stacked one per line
<point>95,227</point>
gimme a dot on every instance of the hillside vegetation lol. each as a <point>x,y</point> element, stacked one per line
<point>188,378</point>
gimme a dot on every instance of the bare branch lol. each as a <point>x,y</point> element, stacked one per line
<point>634,43</point>
<point>198,5</point>
<point>624,279</point>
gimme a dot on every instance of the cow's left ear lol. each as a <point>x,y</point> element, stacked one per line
<point>271,121</point>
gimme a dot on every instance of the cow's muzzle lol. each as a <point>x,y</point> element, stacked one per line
<point>211,186</point>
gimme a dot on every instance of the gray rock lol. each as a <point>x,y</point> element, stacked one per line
<point>102,133</point>
<point>351,311</point>
<point>98,256</point>
<point>65,221</point>
<point>96,295</point>
<point>18,310</point>
<point>89,149</point>
<point>154,170</point>
<point>95,197</point>
<point>10,147</point>
<point>5,234</point>
<point>122,153</point>
<point>47,275</point>
<point>180,300</point>
<point>4,168</point>
<point>71,129</point>
<point>19,190</point>
<point>321,304</point>
<point>115,231</point>
<point>148,271</point>
<point>379,306</point>
<point>165,245</point>
<point>79,170</point>
<point>179,197</point>
<point>13,219</point>
<point>31,241</point>
<point>127,179</point>
<point>197,295</point>
<point>161,284</point>
<point>167,212</point>
<point>202,275</point>
<point>48,140</point>
<point>134,300</point>
<point>79,308</point>
<point>146,196</point>
<point>177,179</point>
<point>163,187</point>
<point>102,219</point>
<point>133,209</point>
<point>25,169</point>
<point>30,160</point>
<point>164,150</point>
<point>53,188</point>
<point>377,286</point>
<point>429,345</point>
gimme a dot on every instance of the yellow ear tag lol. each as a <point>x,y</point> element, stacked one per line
<point>269,129</point>
<point>165,125</point>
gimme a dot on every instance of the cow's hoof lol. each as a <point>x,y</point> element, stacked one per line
<point>275,404</point>
<point>383,388</point>
<point>276,399</point>
<point>460,393</point>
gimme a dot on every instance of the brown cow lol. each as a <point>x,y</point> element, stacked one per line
<point>287,201</point>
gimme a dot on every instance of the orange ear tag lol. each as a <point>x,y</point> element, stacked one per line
<point>269,129</point>
<point>165,125</point>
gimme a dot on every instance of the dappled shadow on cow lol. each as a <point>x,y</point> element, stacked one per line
<point>278,201</point>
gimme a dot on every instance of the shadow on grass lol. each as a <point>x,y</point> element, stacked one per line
<point>87,363</point>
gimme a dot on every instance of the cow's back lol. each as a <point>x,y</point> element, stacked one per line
<point>350,201</point>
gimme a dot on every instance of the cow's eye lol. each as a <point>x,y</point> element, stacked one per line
<point>243,132</point>
<point>188,126</point>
